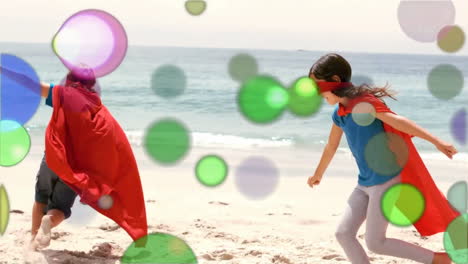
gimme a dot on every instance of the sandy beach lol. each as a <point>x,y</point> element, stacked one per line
<point>242,80</point>
<point>295,224</point>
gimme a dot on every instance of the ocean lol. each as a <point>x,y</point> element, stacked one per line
<point>208,106</point>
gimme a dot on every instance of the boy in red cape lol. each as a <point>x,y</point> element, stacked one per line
<point>87,153</point>
<point>332,74</point>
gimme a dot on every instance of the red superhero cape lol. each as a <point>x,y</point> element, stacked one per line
<point>89,151</point>
<point>438,212</point>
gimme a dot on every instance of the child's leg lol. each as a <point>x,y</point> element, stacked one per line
<point>52,219</point>
<point>354,216</point>
<point>43,236</point>
<point>37,214</point>
<point>376,229</point>
<point>43,190</point>
<point>61,200</point>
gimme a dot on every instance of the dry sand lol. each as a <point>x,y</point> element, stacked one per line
<point>295,224</point>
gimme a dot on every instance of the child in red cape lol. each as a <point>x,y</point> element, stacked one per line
<point>332,74</point>
<point>87,153</point>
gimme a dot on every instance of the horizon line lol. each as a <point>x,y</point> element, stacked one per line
<point>261,49</point>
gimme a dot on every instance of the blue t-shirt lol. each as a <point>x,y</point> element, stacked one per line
<point>48,100</point>
<point>369,145</point>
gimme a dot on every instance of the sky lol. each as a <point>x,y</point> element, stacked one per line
<point>331,25</point>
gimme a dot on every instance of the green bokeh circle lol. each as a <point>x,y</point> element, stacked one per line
<point>4,210</point>
<point>211,170</point>
<point>456,239</point>
<point>167,141</point>
<point>403,204</point>
<point>386,154</point>
<point>195,7</point>
<point>15,143</point>
<point>168,81</point>
<point>262,99</point>
<point>458,196</point>
<point>242,67</point>
<point>304,97</point>
<point>159,248</point>
<point>445,81</point>
<point>451,38</point>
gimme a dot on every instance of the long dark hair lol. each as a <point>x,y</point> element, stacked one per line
<point>333,64</point>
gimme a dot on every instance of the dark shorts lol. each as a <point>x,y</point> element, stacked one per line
<point>52,191</point>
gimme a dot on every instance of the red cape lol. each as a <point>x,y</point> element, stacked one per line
<point>438,213</point>
<point>89,151</point>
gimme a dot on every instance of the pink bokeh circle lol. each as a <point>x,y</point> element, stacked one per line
<point>93,38</point>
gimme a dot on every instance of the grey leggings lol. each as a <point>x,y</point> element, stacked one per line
<point>365,201</point>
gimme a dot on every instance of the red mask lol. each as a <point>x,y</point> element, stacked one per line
<point>332,86</point>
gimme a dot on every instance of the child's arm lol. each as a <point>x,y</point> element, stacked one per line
<point>330,149</point>
<point>26,81</point>
<point>407,126</point>
<point>45,87</point>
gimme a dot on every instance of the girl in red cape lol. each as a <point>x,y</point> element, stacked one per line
<point>377,169</point>
<point>87,154</point>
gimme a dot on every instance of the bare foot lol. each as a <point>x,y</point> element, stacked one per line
<point>43,235</point>
<point>32,244</point>
<point>33,257</point>
<point>441,258</point>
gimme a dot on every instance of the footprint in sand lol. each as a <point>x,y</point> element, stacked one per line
<point>104,250</point>
<point>208,257</point>
<point>222,235</point>
<point>164,227</point>
<point>219,251</point>
<point>254,253</point>
<point>250,241</point>
<point>101,253</point>
<point>218,203</point>
<point>221,255</point>
<point>226,256</point>
<point>280,260</point>
<point>57,235</point>
<point>199,225</point>
<point>109,227</point>
<point>330,257</point>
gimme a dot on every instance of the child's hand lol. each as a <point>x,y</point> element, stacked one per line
<point>314,180</point>
<point>448,149</point>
